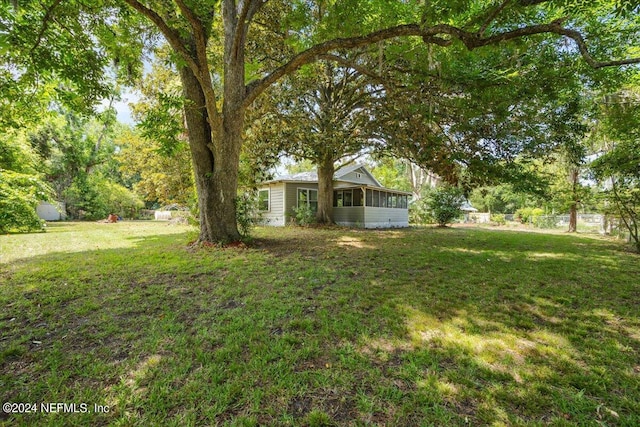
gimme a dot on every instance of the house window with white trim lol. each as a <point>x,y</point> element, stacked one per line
<point>263,200</point>
<point>309,197</point>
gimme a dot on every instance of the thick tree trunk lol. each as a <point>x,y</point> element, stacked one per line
<point>573,209</point>
<point>326,169</point>
<point>215,169</point>
<point>573,218</point>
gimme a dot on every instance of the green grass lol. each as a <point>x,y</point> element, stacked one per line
<point>317,327</point>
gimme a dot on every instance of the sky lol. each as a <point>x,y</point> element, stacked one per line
<point>122,108</point>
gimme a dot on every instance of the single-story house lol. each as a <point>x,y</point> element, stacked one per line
<point>359,200</point>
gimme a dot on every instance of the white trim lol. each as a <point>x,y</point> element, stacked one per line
<point>308,196</point>
<point>284,202</point>
<point>268,190</point>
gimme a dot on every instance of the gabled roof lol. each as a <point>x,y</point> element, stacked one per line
<point>339,175</point>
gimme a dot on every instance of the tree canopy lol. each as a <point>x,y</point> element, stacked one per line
<point>229,52</point>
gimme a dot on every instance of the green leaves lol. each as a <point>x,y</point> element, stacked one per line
<point>20,194</point>
<point>162,123</point>
<point>444,204</point>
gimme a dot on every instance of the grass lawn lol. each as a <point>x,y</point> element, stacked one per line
<point>312,327</point>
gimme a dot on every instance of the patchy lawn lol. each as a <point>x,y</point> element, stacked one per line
<point>318,327</point>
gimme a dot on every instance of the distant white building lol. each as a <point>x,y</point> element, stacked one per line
<point>50,212</point>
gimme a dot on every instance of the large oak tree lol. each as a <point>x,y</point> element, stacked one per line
<point>323,116</point>
<point>73,40</point>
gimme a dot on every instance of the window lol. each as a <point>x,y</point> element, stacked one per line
<point>347,198</point>
<point>383,199</point>
<point>337,198</point>
<point>358,175</point>
<point>394,201</point>
<point>357,197</point>
<point>309,197</point>
<point>369,197</point>
<point>263,200</point>
<point>376,199</point>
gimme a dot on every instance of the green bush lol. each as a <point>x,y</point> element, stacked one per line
<point>419,213</point>
<point>444,204</point>
<point>303,215</point>
<point>95,197</point>
<point>528,215</point>
<point>247,213</point>
<point>20,195</point>
<point>498,219</point>
<point>545,221</point>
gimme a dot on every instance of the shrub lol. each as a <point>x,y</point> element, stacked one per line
<point>247,213</point>
<point>498,219</point>
<point>545,221</point>
<point>444,204</point>
<point>304,215</point>
<point>528,215</point>
<point>122,201</point>
<point>419,213</point>
<point>95,197</point>
<point>20,195</point>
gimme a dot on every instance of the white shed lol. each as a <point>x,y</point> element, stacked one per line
<point>50,212</point>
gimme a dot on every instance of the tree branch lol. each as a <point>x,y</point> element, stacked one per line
<point>350,64</point>
<point>202,73</point>
<point>243,17</point>
<point>45,24</point>
<point>198,65</point>
<point>314,53</point>
<point>199,35</point>
<point>172,36</point>
<point>492,17</point>
<point>249,9</point>
<point>582,46</point>
<point>429,35</point>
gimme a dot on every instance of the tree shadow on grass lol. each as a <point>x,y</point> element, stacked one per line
<point>412,327</point>
<point>547,326</point>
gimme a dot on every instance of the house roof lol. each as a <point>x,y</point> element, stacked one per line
<point>342,172</point>
<point>338,175</point>
<point>466,207</point>
<point>297,177</point>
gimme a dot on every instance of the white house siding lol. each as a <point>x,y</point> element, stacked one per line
<point>385,217</point>
<point>349,216</point>
<point>275,214</point>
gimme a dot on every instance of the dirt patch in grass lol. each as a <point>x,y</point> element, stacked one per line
<point>300,406</point>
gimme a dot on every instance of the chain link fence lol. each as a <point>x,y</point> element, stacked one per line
<point>587,223</point>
